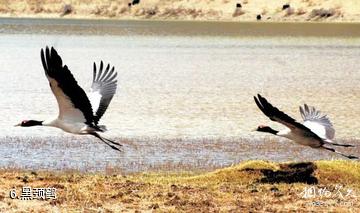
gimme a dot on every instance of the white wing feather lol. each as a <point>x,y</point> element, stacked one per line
<point>95,99</point>
<point>317,123</point>
<point>102,89</point>
<point>67,111</point>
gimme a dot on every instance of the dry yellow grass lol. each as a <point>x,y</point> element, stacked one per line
<point>237,188</point>
<point>299,10</point>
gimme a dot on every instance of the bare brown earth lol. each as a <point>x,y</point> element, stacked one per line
<point>219,10</point>
<point>253,186</point>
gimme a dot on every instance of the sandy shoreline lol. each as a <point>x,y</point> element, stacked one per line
<point>217,10</point>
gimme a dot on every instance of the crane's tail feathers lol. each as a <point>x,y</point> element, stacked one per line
<point>106,141</point>
<point>99,128</point>
<point>102,128</point>
<point>338,144</point>
<point>347,156</point>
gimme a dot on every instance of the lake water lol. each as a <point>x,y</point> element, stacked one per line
<point>185,90</point>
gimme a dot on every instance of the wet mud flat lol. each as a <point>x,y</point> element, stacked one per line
<point>86,154</point>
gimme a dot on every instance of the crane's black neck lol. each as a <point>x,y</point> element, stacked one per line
<point>31,123</point>
<point>272,131</point>
<point>268,130</point>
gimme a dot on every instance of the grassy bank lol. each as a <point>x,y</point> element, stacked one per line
<point>222,10</point>
<point>252,185</point>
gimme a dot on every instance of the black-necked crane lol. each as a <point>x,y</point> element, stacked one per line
<point>316,131</point>
<point>78,113</point>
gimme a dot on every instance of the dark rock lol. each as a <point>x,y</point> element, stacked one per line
<point>174,187</point>
<point>254,190</point>
<point>274,189</point>
<point>154,206</point>
<point>323,13</point>
<point>134,2</point>
<point>286,6</point>
<point>25,179</point>
<point>170,194</point>
<point>118,195</point>
<point>66,10</point>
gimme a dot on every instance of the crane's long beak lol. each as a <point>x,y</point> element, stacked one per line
<point>254,130</point>
<point>19,124</point>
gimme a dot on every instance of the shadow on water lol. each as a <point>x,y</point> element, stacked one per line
<point>152,154</point>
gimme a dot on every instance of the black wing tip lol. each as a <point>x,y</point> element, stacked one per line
<point>258,96</point>
<point>261,106</point>
<point>260,100</point>
<point>102,64</point>
<point>45,57</point>
<point>47,49</point>
<point>256,101</point>
<point>44,51</point>
<point>54,52</point>
<point>107,75</point>
<point>48,53</point>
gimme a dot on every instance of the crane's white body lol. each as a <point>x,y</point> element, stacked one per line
<point>69,126</point>
<point>299,138</point>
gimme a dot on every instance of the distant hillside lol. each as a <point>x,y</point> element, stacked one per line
<point>221,10</point>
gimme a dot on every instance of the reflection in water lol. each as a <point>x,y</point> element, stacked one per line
<point>185,87</point>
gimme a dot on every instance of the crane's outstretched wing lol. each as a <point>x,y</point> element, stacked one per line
<point>276,115</point>
<point>73,103</point>
<point>102,89</point>
<point>318,123</point>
